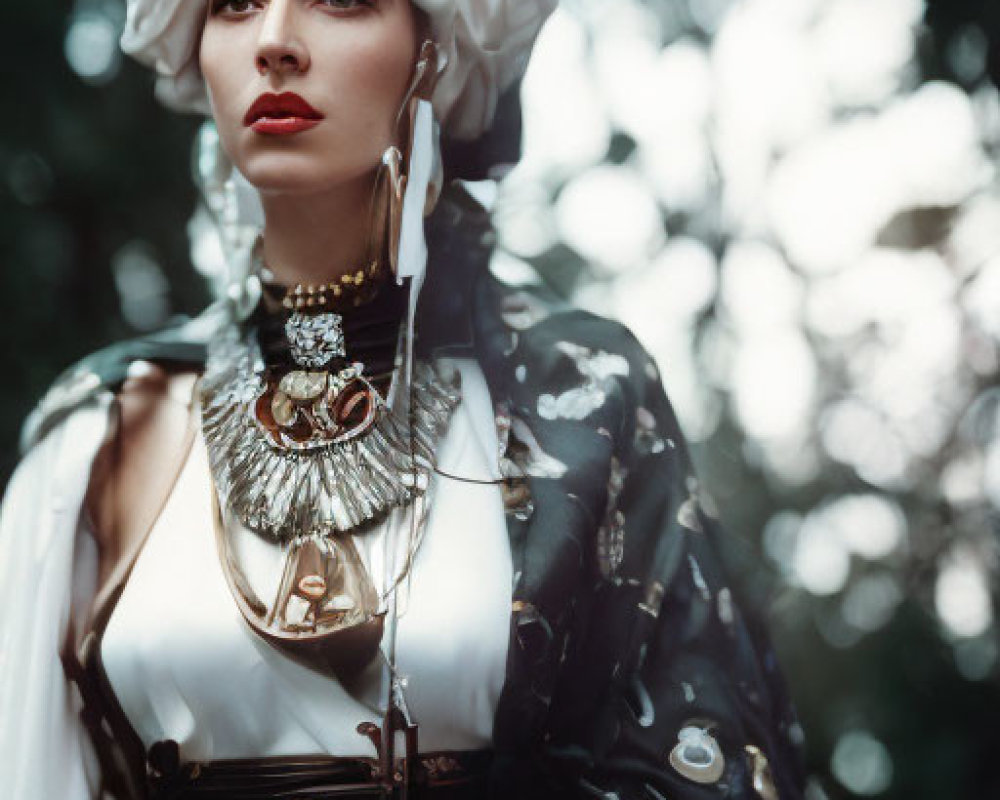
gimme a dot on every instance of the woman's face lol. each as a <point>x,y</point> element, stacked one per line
<point>349,60</point>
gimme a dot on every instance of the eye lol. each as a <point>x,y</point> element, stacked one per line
<point>347,5</point>
<point>234,7</point>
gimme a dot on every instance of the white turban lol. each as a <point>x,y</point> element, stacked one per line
<point>486,42</point>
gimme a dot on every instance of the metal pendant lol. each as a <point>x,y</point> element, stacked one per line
<point>315,339</point>
<point>697,755</point>
<point>310,410</point>
<point>326,612</point>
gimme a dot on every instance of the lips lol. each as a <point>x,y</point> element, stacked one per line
<point>281,114</point>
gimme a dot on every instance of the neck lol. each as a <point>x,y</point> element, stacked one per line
<point>317,238</point>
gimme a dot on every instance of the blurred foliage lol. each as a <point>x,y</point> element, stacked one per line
<point>87,169</point>
<point>96,179</point>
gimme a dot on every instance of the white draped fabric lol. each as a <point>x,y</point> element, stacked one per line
<point>47,562</point>
<point>181,659</point>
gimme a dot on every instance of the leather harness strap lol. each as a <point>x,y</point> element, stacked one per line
<point>446,775</point>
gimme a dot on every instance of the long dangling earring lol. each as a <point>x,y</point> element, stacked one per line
<point>391,178</point>
<point>386,210</point>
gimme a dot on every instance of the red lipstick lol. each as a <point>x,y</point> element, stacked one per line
<point>281,114</point>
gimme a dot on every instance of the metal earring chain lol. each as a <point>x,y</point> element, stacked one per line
<point>478,481</point>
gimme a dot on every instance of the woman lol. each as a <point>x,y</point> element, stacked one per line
<point>349,535</point>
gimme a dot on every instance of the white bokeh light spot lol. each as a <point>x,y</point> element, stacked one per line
<point>609,216</point>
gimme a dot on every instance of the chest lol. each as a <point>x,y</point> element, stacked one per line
<point>184,665</point>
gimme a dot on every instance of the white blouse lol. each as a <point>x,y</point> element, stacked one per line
<point>185,665</point>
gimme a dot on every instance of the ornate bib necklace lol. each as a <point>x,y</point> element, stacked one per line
<point>306,452</point>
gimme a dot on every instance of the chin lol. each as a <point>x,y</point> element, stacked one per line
<point>291,172</point>
<point>276,168</point>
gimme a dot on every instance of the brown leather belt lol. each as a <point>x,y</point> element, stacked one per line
<point>456,775</point>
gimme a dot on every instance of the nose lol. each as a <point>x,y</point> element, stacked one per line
<point>280,50</point>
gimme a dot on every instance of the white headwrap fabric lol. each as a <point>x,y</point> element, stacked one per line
<point>165,35</point>
<point>486,42</point>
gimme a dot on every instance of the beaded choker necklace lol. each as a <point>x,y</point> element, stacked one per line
<point>350,290</point>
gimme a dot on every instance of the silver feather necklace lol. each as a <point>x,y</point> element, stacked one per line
<point>307,458</point>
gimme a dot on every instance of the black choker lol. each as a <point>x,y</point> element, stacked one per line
<point>318,339</point>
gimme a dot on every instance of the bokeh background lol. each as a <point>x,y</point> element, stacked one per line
<point>793,203</point>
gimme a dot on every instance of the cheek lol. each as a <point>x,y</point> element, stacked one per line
<point>367,82</point>
<point>209,57</point>
<point>219,60</point>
